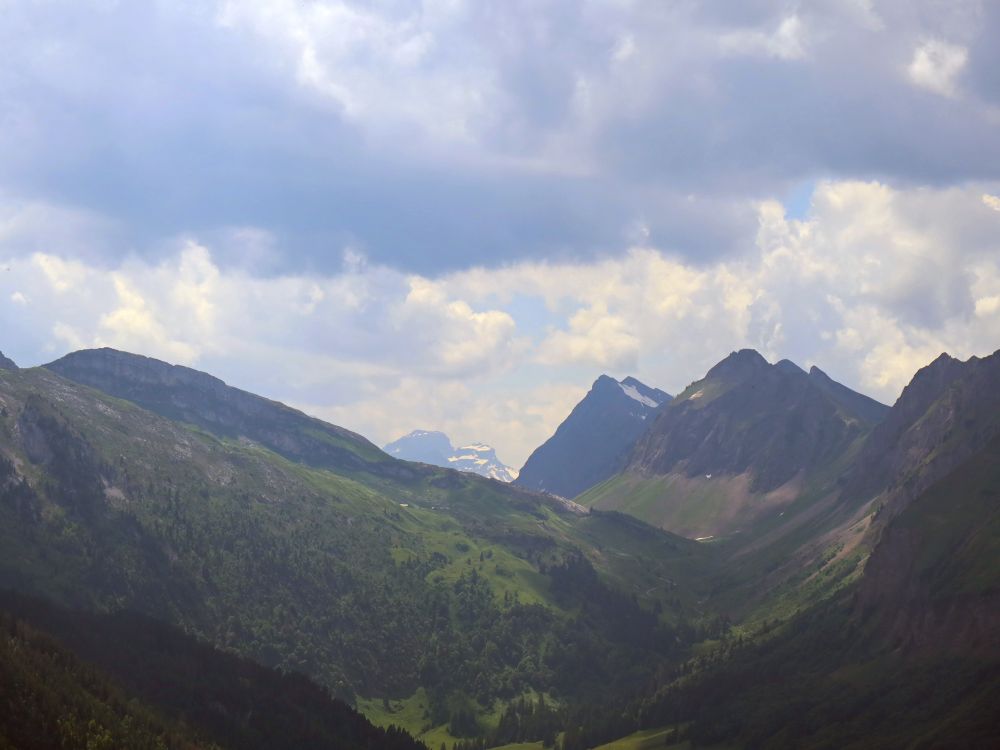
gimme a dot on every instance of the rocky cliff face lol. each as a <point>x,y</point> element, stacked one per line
<point>747,415</point>
<point>932,580</point>
<point>49,441</point>
<point>6,363</point>
<point>195,397</point>
<point>948,412</point>
<point>933,468</point>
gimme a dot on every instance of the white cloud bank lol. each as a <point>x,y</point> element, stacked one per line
<point>873,284</point>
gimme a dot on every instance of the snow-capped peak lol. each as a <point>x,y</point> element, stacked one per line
<point>435,448</point>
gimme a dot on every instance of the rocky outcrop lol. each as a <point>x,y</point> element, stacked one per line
<point>6,363</point>
<point>47,440</point>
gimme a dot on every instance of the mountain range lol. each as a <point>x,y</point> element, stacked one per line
<point>738,446</point>
<point>769,559</point>
<point>435,448</point>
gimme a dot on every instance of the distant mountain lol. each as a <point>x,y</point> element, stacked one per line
<point>738,444</point>
<point>426,446</point>
<point>197,398</point>
<point>435,448</point>
<point>6,363</point>
<point>593,442</point>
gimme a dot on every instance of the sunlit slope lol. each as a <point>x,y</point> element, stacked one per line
<point>374,584</point>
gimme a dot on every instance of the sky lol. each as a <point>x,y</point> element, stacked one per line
<point>456,215</point>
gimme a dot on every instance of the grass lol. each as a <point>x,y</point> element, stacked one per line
<point>690,506</point>
<point>646,740</point>
<point>410,714</point>
<point>209,507</point>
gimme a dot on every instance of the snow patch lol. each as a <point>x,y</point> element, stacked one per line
<point>633,393</point>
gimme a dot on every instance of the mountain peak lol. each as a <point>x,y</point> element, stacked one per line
<point>187,395</point>
<point>6,363</point>
<point>435,448</point>
<point>746,415</point>
<point>739,364</point>
<point>426,446</point>
<point>592,442</point>
<point>786,365</point>
<point>604,382</point>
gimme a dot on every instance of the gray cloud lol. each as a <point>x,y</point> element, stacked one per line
<point>443,135</point>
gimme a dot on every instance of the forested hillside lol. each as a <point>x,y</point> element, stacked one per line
<point>385,586</point>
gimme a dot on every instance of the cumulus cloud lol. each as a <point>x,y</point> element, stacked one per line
<point>936,64</point>
<point>458,214</point>
<point>786,42</point>
<point>871,284</point>
<point>426,133</point>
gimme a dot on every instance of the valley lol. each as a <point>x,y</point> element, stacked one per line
<point>766,521</point>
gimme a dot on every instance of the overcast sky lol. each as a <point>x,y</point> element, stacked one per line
<point>455,215</point>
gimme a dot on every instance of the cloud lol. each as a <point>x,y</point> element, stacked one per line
<point>936,64</point>
<point>594,337</point>
<point>872,283</point>
<point>419,214</point>
<point>438,135</point>
<point>786,42</point>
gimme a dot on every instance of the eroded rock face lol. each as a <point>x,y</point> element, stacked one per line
<point>746,415</point>
<point>16,492</point>
<point>33,426</point>
<point>69,459</point>
<point>946,414</point>
<point>931,581</point>
<point>6,363</point>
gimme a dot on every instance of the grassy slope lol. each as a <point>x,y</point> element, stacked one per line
<point>781,555</point>
<point>647,739</point>
<point>843,674</point>
<point>257,553</point>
